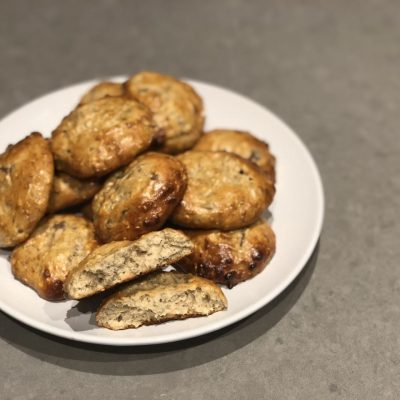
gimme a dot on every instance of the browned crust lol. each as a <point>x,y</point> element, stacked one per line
<point>177,108</point>
<point>68,191</point>
<point>55,247</point>
<point>230,257</point>
<point>26,175</point>
<point>140,198</point>
<point>224,192</point>
<point>241,143</point>
<point>98,137</point>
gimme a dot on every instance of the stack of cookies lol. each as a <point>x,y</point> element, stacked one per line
<point>128,184</point>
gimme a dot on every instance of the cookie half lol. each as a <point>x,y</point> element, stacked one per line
<point>160,297</point>
<point>117,262</point>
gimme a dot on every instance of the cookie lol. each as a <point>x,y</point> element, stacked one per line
<point>177,108</point>
<point>56,247</point>
<point>139,198</point>
<point>160,297</point>
<point>101,136</point>
<point>68,191</point>
<point>26,176</point>
<point>230,257</point>
<point>224,192</point>
<point>101,90</point>
<point>241,143</point>
<point>117,262</point>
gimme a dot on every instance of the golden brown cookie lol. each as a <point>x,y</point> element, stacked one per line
<point>26,175</point>
<point>160,297</point>
<point>117,262</point>
<point>139,198</point>
<point>56,247</point>
<point>241,143</point>
<point>101,136</point>
<point>224,192</point>
<point>68,191</point>
<point>230,257</point>
<point>101,90</point>
<point>177,108</point>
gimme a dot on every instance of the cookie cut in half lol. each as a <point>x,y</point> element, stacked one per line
<point>230,257</point>
<point>160,297</point>
<point>117,262</point>
<point>55,248</point>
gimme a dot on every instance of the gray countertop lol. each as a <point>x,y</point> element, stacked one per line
<point>328,68</point>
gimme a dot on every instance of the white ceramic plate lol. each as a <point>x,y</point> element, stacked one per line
<point>296,217</point>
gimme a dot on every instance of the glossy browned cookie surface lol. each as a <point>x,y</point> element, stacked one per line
<point>101,136</point>
<point>241,143</point>
<point>177,108</point>
<point>139,198</point>
<point>56,247</point>
<point>230,257</point>
<point>26,175</point>
<point>224,192</point>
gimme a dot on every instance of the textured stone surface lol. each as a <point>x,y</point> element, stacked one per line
<point>331,70</point>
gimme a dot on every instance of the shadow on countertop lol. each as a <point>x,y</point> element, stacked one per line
<point>155,359</point>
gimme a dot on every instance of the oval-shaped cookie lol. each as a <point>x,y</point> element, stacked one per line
<point>230,257</point>
<point>68,191</point>
<point>241,143</point>
<point>26,175</point>
<point>224,192</point>
<point>101,90</point>
<point>101,136</point>
<point>177,108</point>
<point>139,198</point>
<point>57,246</point>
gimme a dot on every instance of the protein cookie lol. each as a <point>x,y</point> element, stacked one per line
<point>224,192</point>
<point>158,298</point>
<point>26,175</point>
<point>177,108</point>
<point>57,246</point>
<point>230,257</point>
<point>122,261</point>
<point>241,143</point>
<point>139,198</point>
<point>101,136</point>
<point>68,191</point>
<point>101,90</point>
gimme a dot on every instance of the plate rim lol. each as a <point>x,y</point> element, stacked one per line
<point>216,325</point>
